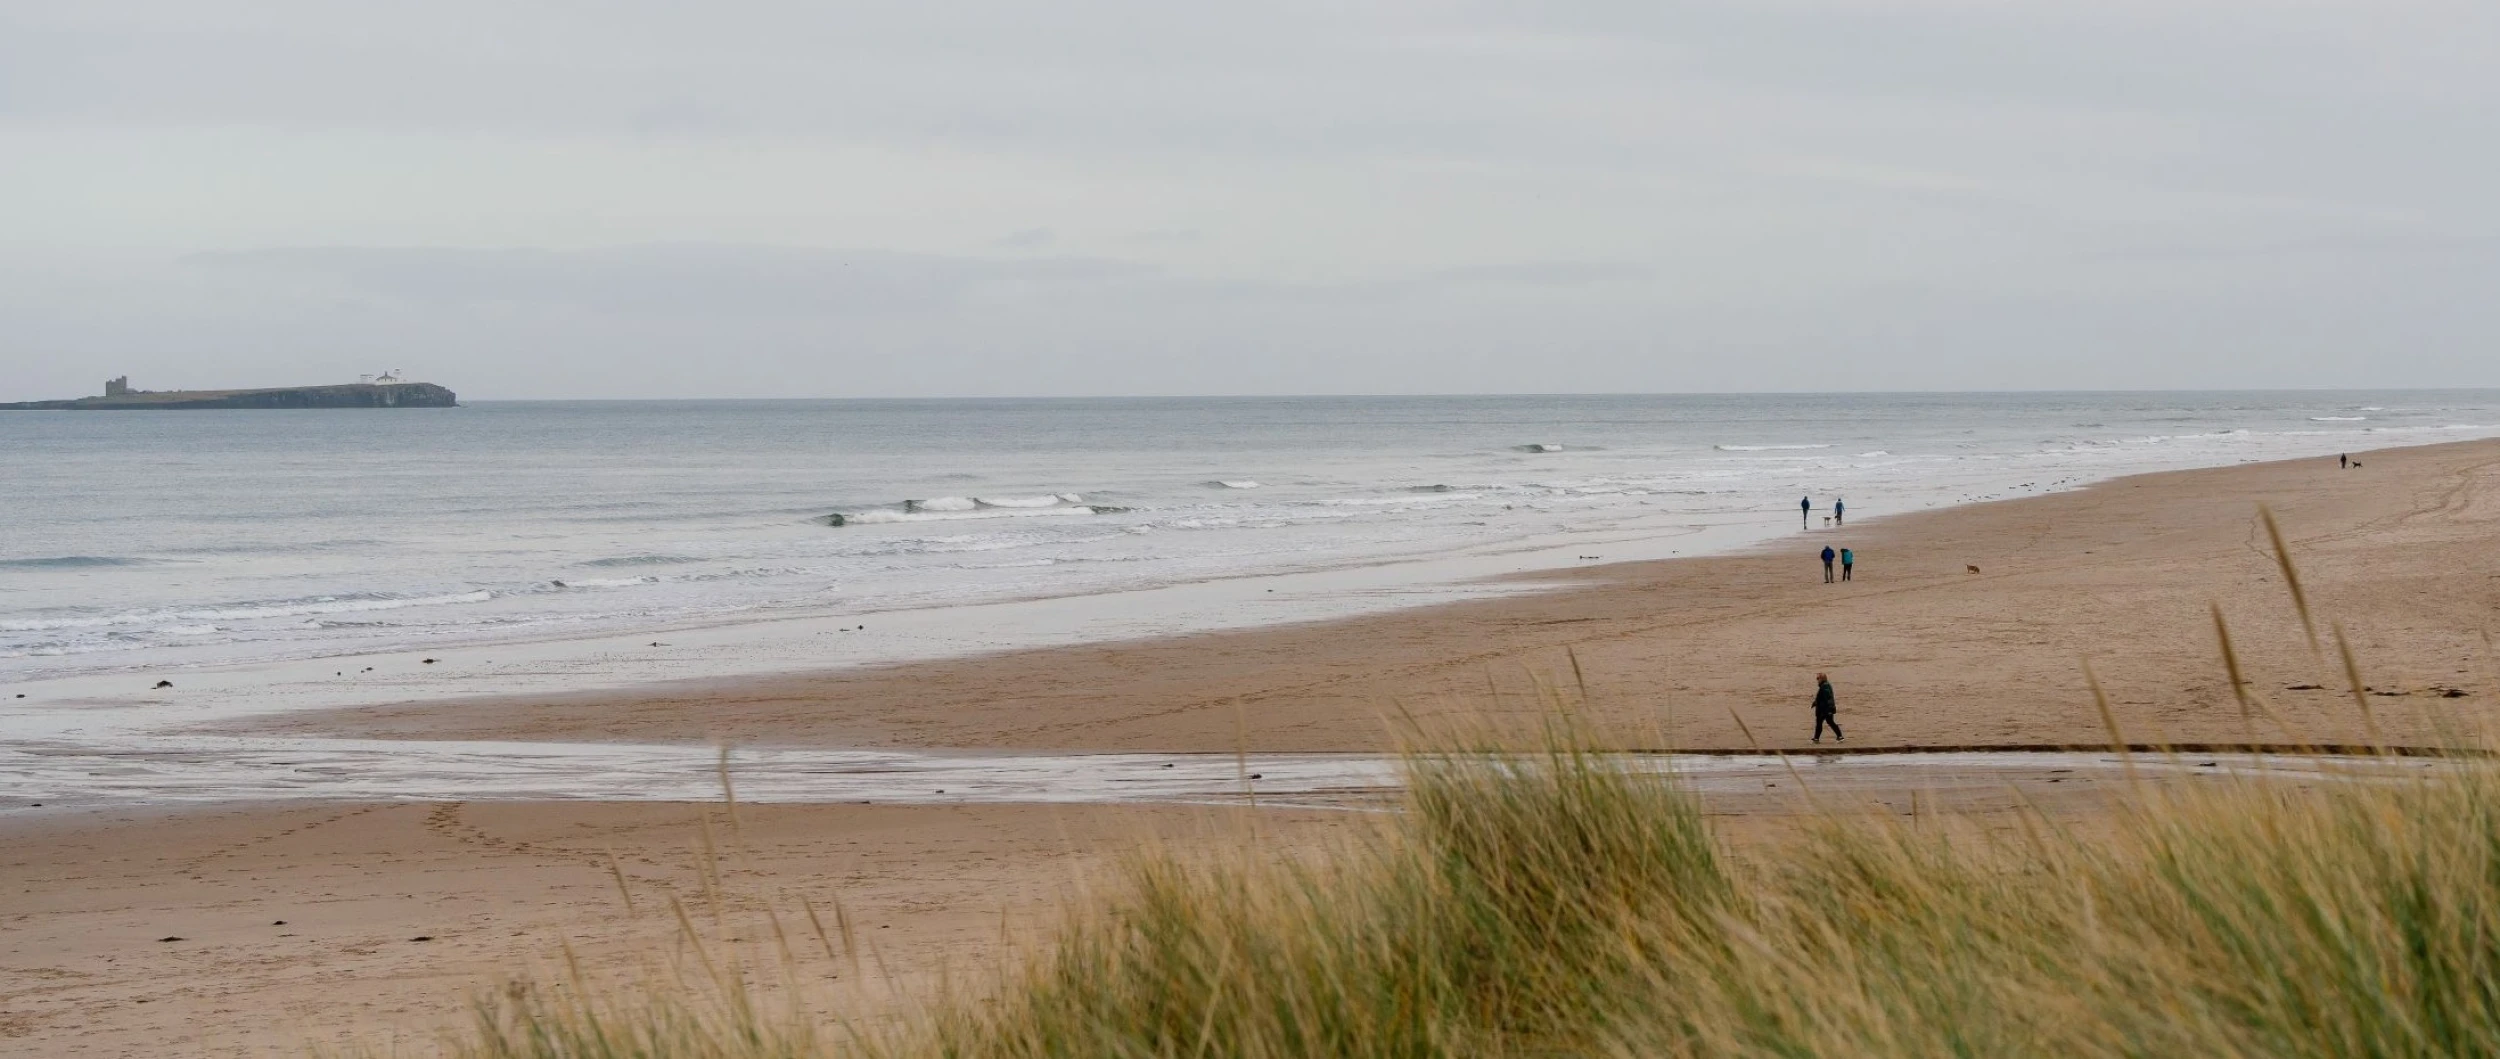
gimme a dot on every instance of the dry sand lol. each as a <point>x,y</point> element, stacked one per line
<point>86,900</point>
<point>2402,551</point>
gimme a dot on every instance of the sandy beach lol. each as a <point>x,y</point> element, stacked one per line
<point>2399,553</point>
<point>376,923</point>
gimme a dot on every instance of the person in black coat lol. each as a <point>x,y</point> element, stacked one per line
<point>1825,709</point>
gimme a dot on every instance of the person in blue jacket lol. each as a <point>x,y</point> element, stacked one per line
<point>1837,509</point>
<point>1828,556</point>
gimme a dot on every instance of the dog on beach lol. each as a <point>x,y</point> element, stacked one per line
<point>1970,568</point>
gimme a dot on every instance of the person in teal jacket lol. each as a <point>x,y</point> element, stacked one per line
<point>1847,559</point>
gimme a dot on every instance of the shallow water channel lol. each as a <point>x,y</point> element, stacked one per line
<point>157,770</point>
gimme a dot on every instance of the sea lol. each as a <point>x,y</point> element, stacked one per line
<point>156,540</point>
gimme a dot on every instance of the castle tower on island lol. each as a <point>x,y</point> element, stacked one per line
<point>117,387</point>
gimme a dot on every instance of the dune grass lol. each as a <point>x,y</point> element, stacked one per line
<point>1565,903</point>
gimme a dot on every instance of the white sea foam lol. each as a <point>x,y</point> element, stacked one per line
<point>1234,483</point>
<point>1020,501</point>
<point>2337,419</point>
<point>942,503</point>
<point>1765,448</point>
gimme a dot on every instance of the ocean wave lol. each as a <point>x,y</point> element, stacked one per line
<point>950,508</point>
<point>2338,419</point>
<point>1537,447</point>
<point>249,612</point>
<point>1765,448</point>
<point>1373,501</point>
<point>75,562</point>
<point>1028,501</point>
<point>334,606</point>
<point>1232,483</point>
<point>605,582</point>
<point>889,516</point>
<point>1871,455</point>
<point>642,560</point>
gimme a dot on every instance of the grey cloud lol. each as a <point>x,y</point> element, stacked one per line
<point>1545,273</point>
<point>711,279</point>
<point>729,280</point>
<point>1303,195</point>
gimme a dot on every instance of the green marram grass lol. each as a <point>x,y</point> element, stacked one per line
<point>1565,903</point>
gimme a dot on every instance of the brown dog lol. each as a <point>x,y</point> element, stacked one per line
<point>1972,569</point>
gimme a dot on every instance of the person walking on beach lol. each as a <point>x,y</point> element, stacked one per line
<point>1827,564</point>
<point>1826,710</point>
<point>1805,511</point>
<point>1847,559</point>
<point>2343,460</point>
<point>1839,509</point>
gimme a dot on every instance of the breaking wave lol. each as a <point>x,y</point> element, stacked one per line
<point>75,562</point>
<point>1765,448</point>
<point>1537,447</point>
<point>1028,501</point>
<point>1232,483</point>
<point>952,508</point>
<point>2338,419</point>
<point>641,560</point>
<point>890,516</point>
<point>290,609</point>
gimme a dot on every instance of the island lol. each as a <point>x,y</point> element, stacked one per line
<point>387,391</point>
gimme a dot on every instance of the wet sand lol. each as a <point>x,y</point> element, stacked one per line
<point>1721,651</point>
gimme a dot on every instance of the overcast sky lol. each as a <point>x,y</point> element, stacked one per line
<point>638,198</point>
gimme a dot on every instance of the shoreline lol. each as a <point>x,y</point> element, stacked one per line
<point>764,638</point>
<point>1712,654</point>
<point>2121,569</point>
